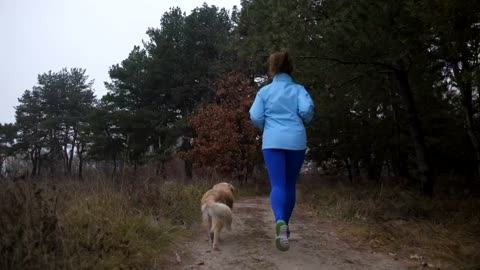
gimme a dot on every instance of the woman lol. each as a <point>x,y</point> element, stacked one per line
<point>280,110</point>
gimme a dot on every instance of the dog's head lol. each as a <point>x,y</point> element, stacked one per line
<point>224,186</point>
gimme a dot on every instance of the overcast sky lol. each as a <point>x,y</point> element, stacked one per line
<point>41,35</point>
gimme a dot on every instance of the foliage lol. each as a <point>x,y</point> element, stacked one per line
<point>395,85</point>
<point>7,140</point>
<point>384,98</point>
<point>50,116</point>
<point>225,140</point>
<point>158,86</point>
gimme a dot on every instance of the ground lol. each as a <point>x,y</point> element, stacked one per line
<point>250,245</point>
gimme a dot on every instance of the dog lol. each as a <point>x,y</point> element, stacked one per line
<point>217,205</point>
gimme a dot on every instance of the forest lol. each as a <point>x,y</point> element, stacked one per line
<point>395,86</point>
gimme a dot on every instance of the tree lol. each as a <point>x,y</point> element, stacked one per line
<point>392,42</point>
<point>347,33</point>
<point>160,85</point>
<point>7,140</point>
<point>50,115</point>
<point>31,138</point>
<point>455,40</point>
<point>132,102</point>
<point>105,129</point>
<point>225,140</point>
<point>395,83</point>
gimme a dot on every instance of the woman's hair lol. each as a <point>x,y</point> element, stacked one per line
<point>280,62</point>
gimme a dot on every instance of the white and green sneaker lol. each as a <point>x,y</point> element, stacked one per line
<point>281,236</point>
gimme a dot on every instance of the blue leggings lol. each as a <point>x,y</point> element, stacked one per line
<point>283,168</point>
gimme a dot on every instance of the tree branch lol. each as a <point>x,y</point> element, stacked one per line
<point>345,62</point>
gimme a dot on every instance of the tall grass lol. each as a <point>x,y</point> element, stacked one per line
<point>29,229</point>
<point>396,219</point>
<point>92,225</point>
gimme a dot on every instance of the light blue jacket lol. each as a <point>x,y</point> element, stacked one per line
<point>280,110</point>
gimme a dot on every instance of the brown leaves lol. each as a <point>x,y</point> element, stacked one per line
<point>225,137</point>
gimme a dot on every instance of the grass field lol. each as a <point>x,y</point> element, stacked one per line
<point>399,221</point>
<point>132,224</point>
<point>65,224</point>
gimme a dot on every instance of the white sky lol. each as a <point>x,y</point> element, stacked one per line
<point>41,35</point>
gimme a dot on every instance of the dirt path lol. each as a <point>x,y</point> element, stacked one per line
<point>250,245</point>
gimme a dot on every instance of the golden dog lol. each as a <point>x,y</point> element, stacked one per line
<point>217,204</point>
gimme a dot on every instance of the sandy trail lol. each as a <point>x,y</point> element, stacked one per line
<point>250,245</point>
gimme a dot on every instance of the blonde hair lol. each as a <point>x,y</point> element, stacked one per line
<point>280,62</point>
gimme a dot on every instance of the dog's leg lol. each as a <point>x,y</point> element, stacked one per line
<point>207,224</point>
<point>217,227</point>
<point>215,240</point>
<point>209,230</point>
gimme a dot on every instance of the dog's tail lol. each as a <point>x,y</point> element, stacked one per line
<point>218,211</point>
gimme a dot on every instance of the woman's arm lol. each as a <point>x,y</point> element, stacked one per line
<point>257,112</point>
<point>305,105</point>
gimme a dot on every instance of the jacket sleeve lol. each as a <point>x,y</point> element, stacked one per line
<point>305,105</point>
<point>257,112</point>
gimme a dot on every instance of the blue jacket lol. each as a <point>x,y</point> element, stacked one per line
<point>280,110</point>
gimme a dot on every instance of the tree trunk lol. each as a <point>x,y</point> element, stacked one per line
<point>157,168</point>
<point>399,157</point>
<point>401,165</point>
<point>114,170</point>
<point>355,167</point>
<point>471,134</point>
<point>80,160</point>
<point>162,169</point>
<point>65,150</point>
<point>426,178</point>
<point>39,161</point>
<point>70,157</point>
<point>349,170</point>
<point>33,158</point>
<point>188,165</point>
<point>465,85</point>
<point>65,158</point>
<point>374,167</point>
<point>34,164</point>
<point>2,160</point>
<point>250,169</point>
<point>80,166</point>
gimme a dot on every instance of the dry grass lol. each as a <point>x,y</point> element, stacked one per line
<point>443,230</point>
<point>134,225</point>
<point>95,225</point>
<point>29,229</point>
